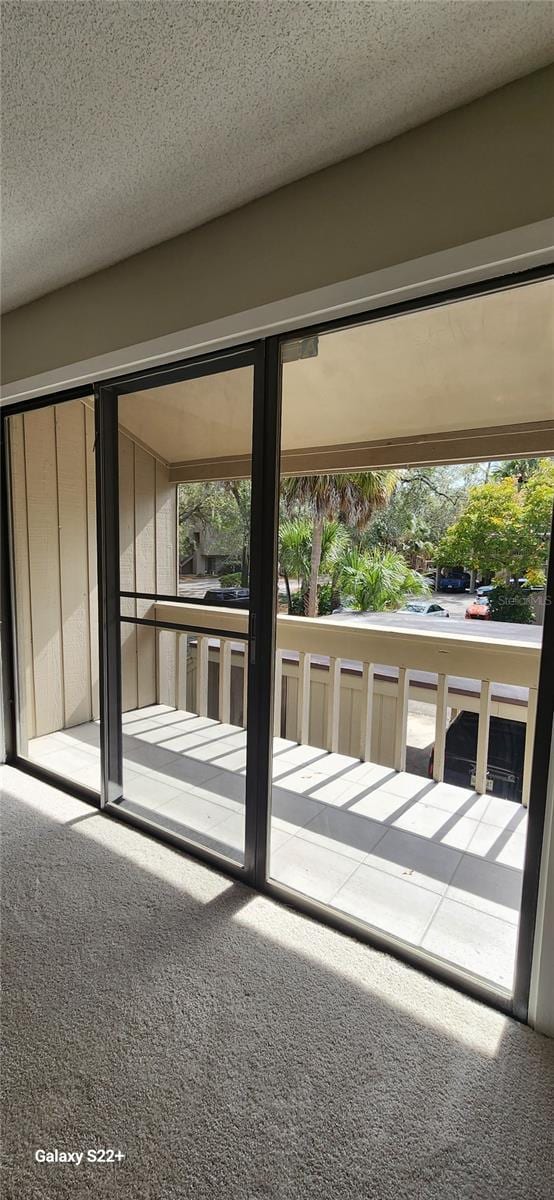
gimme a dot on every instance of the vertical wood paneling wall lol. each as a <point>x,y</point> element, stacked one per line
<point>53,486</point>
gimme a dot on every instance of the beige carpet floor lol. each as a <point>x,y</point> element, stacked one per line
<point>231,1048</point>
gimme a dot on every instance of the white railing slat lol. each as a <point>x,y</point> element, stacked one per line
<point>440,728</point>
<point>202,647</point>
<point>304,698</point>
<point>333,705</point>
<point>224,706</point>
<point>181,674</point>
<point>483,738</point>
<point>401,728</point>
<point>366,722</point>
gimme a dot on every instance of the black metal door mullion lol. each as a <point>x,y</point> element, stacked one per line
<point>9,700</point>
<point>263,558</point>
<point>107,528</point>
<point>537,803</point>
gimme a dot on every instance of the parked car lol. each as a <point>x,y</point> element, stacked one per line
<point>228,597</point>
<point>523,584</point>
<point>530,587</point>
<point>424,608</point>
<point>505,755</point>
<point>479,609</point>
<point>453,583</point>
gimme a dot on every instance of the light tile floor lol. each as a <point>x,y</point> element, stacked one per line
<point>435,865</point>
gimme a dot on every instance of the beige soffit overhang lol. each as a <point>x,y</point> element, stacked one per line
<point>471,379</point>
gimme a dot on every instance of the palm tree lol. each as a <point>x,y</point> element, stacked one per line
<point>379,580</point>
<point>517,468</point>
<point>294,552</point>
<point>295,541</point>
<point>355,497</point>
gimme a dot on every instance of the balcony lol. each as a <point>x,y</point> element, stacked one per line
<point>429,863</point>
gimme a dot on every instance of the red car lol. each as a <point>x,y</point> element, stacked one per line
<point>479,609</point>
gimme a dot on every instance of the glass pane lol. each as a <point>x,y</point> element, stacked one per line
<point>199,433</point>
<point>185,470</point>
<point>406,692</point>
<point>53,502</point>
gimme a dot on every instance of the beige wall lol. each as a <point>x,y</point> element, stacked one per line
<point>477,171</point>
<point>54,527</point>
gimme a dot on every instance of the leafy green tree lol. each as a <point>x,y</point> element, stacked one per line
<point>424,502</point>
<point>538,500</point>
<point>241,492</point>
<point>504,528</point>
<point>486,535</point>
<point>352,497</point>
<point>379,580</point>
<point>221,507</point>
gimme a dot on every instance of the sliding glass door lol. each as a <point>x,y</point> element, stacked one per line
<point>417,489</point>
<point>287,654</point>
<point>185,563</point>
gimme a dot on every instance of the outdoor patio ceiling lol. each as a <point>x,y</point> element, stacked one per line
<point>464,381</point>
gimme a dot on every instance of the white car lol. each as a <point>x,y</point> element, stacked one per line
<point>424,608</point>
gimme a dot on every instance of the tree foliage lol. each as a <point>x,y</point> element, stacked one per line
<point>507,602</point>
<point>519,469</point>
<point>221,510</point>
<point>504,527</point>
<point>353,498</point>
<point>424,502</point>
<point>378,580</point>
<point>295,551</point>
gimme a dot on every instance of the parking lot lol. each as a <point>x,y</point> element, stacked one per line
<point>454,602</point>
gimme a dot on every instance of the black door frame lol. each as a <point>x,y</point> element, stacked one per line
<point>261,624</point>
<point>264,355</point>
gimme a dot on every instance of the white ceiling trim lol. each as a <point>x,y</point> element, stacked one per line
<point>513,251</point>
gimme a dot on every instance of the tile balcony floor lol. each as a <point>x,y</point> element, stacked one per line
<point>435,865</point>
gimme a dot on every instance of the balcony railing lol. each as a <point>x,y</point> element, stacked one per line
<point>348,686</point>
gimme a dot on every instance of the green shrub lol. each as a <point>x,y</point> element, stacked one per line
<point>325,599</point>
<point>378,580</point>
<point>231,580</point>
<point>297,604</point>
<point>508,602</point>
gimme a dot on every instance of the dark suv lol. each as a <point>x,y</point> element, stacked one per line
<point>229,597</point>
<point>505,755</point>
<point>456,581</point>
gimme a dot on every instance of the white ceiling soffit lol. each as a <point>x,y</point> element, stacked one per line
<point>127,123</point>
<point>477,364</point>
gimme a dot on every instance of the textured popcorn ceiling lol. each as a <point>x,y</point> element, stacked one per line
<point>126,123</point>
